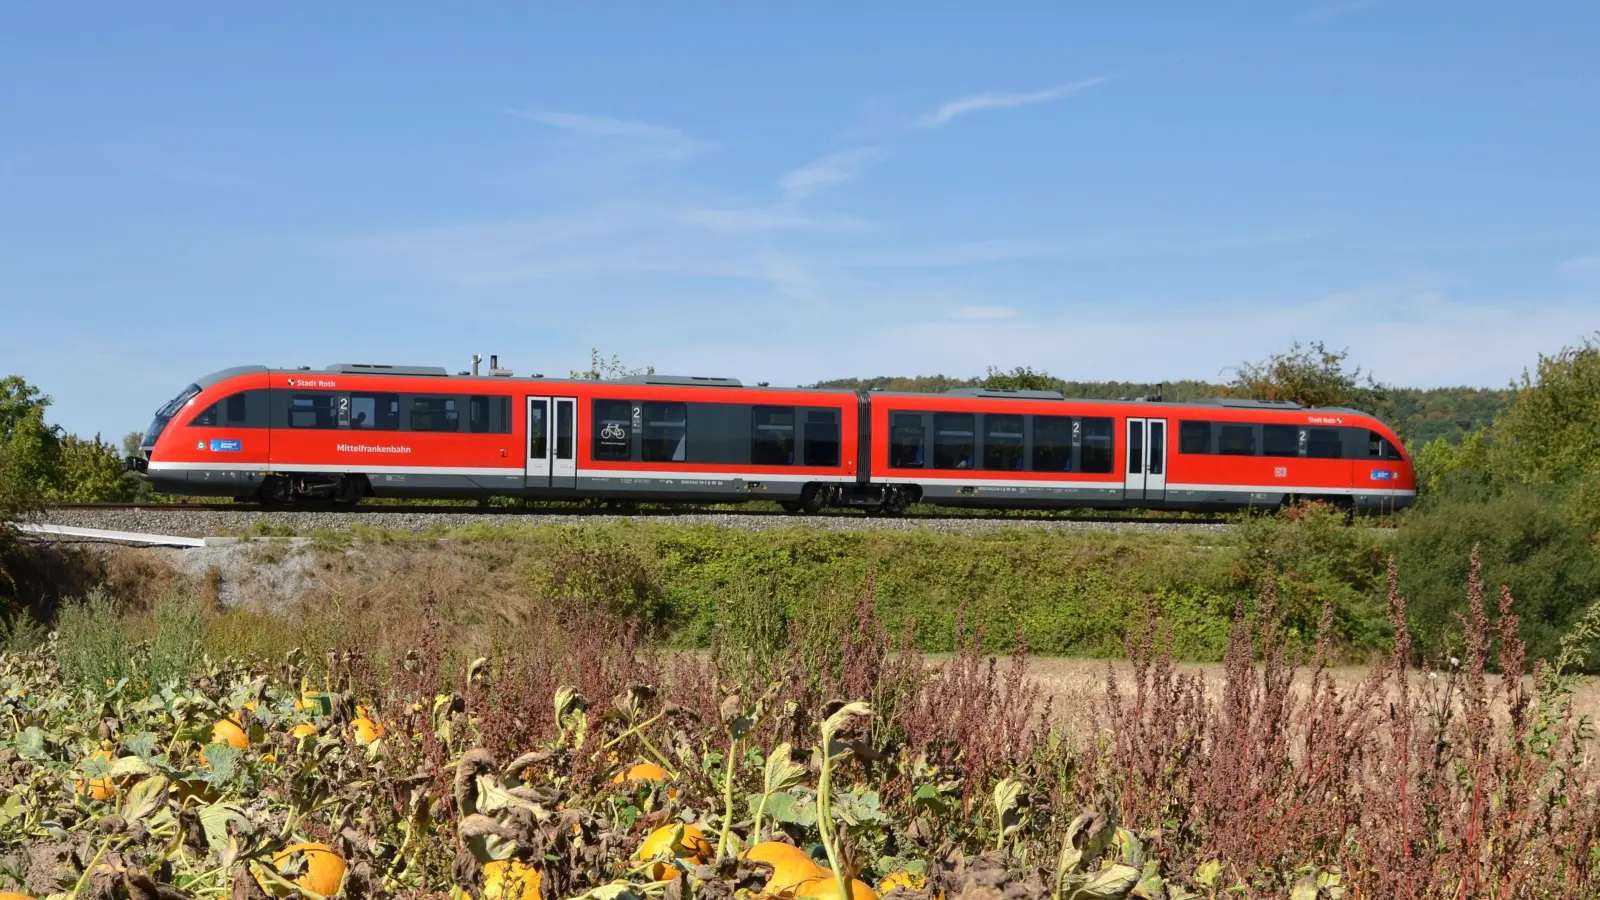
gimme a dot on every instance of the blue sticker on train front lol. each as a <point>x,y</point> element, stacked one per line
<point>226,445</point>
<point>1377,474</point>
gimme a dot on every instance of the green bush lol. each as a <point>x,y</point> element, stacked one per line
<point>1525,543</point>
<point>93,643</point>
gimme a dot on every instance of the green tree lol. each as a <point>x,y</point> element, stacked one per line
<point>131,442</point>
<point>88,471</point>
<point>29,446</point>
<point>601,368</point>
<point>1312,376</point>
<point>1550,434</point>
<point>1022,378</point>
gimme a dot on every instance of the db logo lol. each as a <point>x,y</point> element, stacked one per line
<point>199,445</point>
<point>1281,472</point>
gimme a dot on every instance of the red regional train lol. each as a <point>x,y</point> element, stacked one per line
<point>352,431</point>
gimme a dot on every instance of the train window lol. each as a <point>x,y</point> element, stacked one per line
<point>1158,448</point>
<point>312,411</point>
<point>234,412</point>
<point>1135,447</point>
<point>611,421</point>
<point>1325,443</point>
<point>1002,442</point>
<point>489,415</point>
<point>666,432</point>
<point>1052,444</point>
<point>435,414</point>
<point>565,411</point>
<point>772,435</point>
<point>538,429</point>
<point>1280,440</point>
<point>375,412</point>
<point>1236,440</point>
<point>953,442</point>
<point>906,443</point>
<point>822,437</point>
<point>1095,455</point>
<point>205,418</point>
<point>1378,447</point>
<point>1194,437</point>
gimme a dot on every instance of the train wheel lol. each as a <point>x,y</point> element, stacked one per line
<point>350,491</point>
<point>813,499</point>
<point>895,504</point>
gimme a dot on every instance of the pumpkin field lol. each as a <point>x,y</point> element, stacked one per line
<point>574,760</point>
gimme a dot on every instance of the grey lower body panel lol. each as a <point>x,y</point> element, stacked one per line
<point>204,482</point>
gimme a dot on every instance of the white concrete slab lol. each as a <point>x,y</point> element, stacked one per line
<point>130,537</point>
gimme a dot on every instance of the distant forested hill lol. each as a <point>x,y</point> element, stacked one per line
<point>1420,415</point>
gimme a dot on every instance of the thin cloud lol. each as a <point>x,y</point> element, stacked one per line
<point>671,140</point>
<point>980,313</point>
<point>829,171</point>
<point>984,102</point>
<point>1582,264</point>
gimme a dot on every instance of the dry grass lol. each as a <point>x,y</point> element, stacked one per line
<point>1077,687</point>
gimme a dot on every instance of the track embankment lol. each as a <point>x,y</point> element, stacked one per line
<point>223,520</point>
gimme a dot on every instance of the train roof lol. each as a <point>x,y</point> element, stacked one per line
<point>505,375</point>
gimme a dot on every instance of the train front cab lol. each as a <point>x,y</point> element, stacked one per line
<point>210,440</point>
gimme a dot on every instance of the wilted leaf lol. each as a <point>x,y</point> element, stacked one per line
<point>1113,883</point>
<point>130,767</point>
<point>1305,888</point>
<point>215,819</point>
<point>145,797</point>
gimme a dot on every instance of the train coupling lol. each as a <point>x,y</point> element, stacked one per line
<point>135,464</point>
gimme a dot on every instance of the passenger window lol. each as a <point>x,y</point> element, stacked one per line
<point>1194,438</point>
<point>1158,448</point>
<point>1237,440</point>
<point>666,432</point>
<point>375,412</point>
<point>312,411</point>
<point>953,440</point>
<point>489,415</point>
<point>1002,442</point>
<point>435,414</point>
<point>1325,443</point>
<point>1379,447</point>
<point>1280,440</point>
<point>236,409</point>
<point>772,435</point>
<point>822,437</point>
<point>611,423</point>
<point>205,418</point>
<point>538,429</point>
<point>1096,455</point>
<point>905,443</point>
<point>1052,444</point>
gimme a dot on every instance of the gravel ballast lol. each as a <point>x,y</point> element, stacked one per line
<point>215,523</point>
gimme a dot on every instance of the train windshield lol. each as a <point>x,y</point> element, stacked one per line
<point>165,414</point>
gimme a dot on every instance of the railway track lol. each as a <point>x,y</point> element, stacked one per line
<point>603,511</point>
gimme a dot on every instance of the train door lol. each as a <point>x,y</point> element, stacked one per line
<point>538,443</point>
<point>564,465</point>
<point>552,443</point>
<point>1145,475</point>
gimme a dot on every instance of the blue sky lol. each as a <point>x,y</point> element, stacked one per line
<point>1136,191</point>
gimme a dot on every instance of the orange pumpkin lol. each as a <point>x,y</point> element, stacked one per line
<point>97,788</point>
<point>692,848</point>
<point>324,872</point>
<point>792,870</point>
